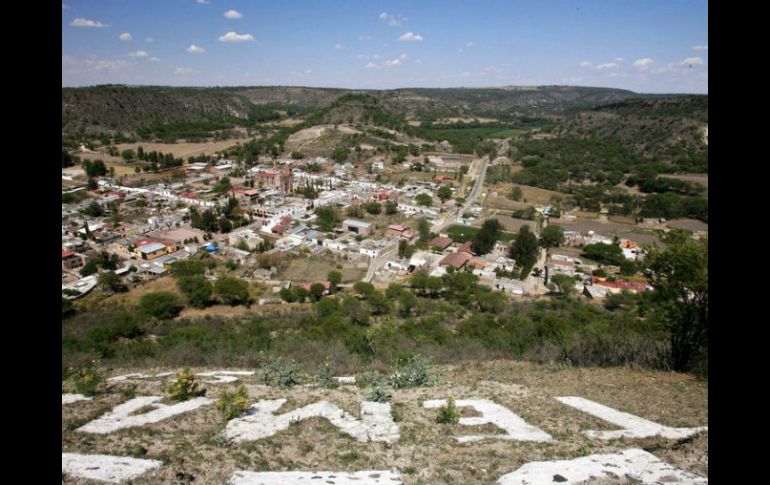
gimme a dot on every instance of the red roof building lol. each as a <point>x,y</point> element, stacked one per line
<point>455,260</point>
<point>441,243</point>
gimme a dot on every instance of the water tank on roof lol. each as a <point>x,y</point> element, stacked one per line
<point>211,248</point>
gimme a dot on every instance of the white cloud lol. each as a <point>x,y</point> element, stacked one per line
<point>202,2</point>
<point>194,49</point>
<point>470,45</point>
<point>93,64</point>
<point>692,61</point>
<point>394,20</point>
<point>608,65</point>
<point>388,63</point>
<point>364,38</point>
<point>585,64</point>
<point>233,37</point>
<point>460,50</point>
<point>339,46</point>
<point>402,56</point>
<point>618,59</point>
<point>491,70</point>
<point>233,14</point>
<point>140,54</point>
<point>149,39</point>
<point>125,36</point>
<point>182,70</point>
<point>65,7</point>
<point>410,37</point>
<point>308,71</point>
<point>393,62</point>
<point>704,47</point>
<point>78,22</point>
<point>154,59</point>
<point>371,65</point>
<point>643,63</point>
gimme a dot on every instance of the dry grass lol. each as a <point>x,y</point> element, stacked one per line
<point>312,269</point>
<point>183,150</point>
<point>132,297</point>
<point>426,452</point>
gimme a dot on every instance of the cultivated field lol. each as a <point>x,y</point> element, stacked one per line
<point>184,150</point>
<point>313,269</point>
<point>192,445</point>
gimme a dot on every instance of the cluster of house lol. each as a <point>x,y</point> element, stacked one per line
<point>152,229</point>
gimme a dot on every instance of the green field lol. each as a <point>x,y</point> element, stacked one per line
<point>465,233</point>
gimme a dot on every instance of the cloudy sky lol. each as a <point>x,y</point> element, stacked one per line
<point>646,46</point>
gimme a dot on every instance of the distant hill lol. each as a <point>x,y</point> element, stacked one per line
<point>113,108</point>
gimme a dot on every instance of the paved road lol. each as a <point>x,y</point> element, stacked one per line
<point>379,261</point>
<point>451,215</point>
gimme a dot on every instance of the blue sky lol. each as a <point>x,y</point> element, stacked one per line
<point>646,46</point>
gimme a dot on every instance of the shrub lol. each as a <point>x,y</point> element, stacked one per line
<point>448,414</point>
<point>326,377</point>
<point>413,372</point>
<point>88,380</point>
<point>184,387</point>
<point>233,404</point>
<point>162,305</point>
<point>281,373</point>
<point>379,383</point>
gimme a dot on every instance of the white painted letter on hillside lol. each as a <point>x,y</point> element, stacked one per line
<point>515,428</point>
<point>106,468</point>
<point>633,426</point>
<point>387,477</point>
<point>376,423</point>
<point>121,417</point>
<point>632,464</point>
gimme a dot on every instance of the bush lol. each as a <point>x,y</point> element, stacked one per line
<point>448,414</point>
<point>281,373</point>
<point>379,383</point>
<point>326,377</point>
<point>233,404</point>
<point>232,291</point>
<point>88,380</point>
<point>412,373</point>
<point>162,305</point>
<point>184,387</point>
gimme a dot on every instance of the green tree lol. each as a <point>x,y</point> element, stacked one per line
<point>679,276</point>
<point>327,218</point>
<point>232,291</point>
<point>355,310</point>
<point>317,291</point>
<point>93,210</point>
<point>196,289</point>
<point>340,154</point>
<point>524,249</point>
<point>128,155</point>
<point>297,155</point>
<point>391,207</point>
<point>373,208</point>
<point>444,193</point>
<point>424,199</point>
<point>517,194</point>
<point>335,278</point>
<point>552,236</point>
<point>484,240</point>
<point>162,305</point>
<point>565,284</point>
<point>423,230</point>
<point>112,282</point>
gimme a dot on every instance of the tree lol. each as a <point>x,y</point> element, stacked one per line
<point>517,194</point>
<point>317,290</point>
<point>484,240</point>
<point>444,193</point>
<point>162,305</point>
<point>297,155</point>
<point>196,289</point>
<point>424,200</point>
<point>565,283</point>
<point>373,208</point>
<point>112,282</point>
<point>552,236</point>
<point>423,229</point>
<point>604,253</point>
<point>363,289</point>
<point>679,276</point>
<point>327,218</point>
<point>232,291</point>
<point>335,278</point>
<point>93,210</point>
<point>391,207</point>
<point>128,155</point>
<point>355,310</point>
<point>524,250</point>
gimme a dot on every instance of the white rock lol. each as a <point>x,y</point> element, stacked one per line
<point>70,398</point>
<point>634,463</point>
<point>105,468</point>
<point>392,477</point>
<point>633,426</point>
<point>376,423</point>
<point>515,427</point>
<point>224,376</point>
<point>120,417</point>
<point>346,379</point>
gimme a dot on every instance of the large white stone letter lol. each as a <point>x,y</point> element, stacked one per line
<point>105,468</point>
<point>121,417</point>
<point>633,464</point>
<point>515,427</point>
<point>633,426</point>
<point>376,423</point>
<point>388,477</point>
